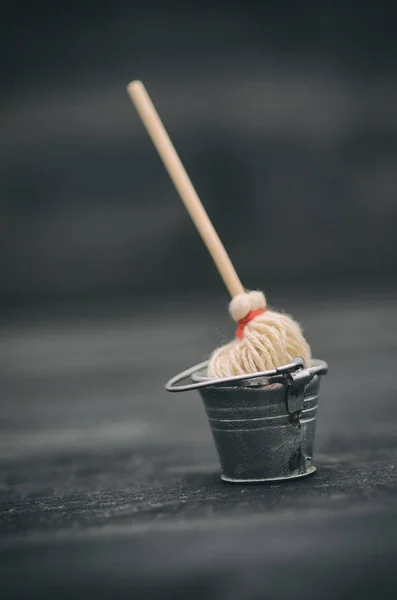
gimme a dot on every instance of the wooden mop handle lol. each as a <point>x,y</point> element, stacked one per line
<point>188,194</point>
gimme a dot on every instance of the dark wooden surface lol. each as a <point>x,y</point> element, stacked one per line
<point>110,487</point>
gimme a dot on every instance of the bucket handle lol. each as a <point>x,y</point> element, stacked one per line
<point>297,364</point>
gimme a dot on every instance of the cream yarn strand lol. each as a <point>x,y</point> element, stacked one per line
<point>269,340</point>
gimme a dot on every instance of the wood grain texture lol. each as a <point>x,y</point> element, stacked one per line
<point>102,472</point>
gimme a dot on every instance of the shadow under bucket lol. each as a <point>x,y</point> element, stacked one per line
<point>263,424</point>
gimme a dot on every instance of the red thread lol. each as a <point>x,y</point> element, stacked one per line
<point>243,322</point>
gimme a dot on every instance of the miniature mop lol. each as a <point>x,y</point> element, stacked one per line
<point>265,339</point>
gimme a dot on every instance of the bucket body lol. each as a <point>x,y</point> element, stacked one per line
<point>264,428</point>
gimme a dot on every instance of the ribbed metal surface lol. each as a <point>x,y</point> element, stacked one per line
<point>255,435</point>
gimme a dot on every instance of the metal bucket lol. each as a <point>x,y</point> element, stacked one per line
<point>263,424</point>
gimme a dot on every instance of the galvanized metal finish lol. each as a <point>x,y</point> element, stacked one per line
<point>263,425</point>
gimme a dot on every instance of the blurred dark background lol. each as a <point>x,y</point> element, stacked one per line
<point>284,114</point>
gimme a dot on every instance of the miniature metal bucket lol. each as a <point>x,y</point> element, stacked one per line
<point>263,424</point>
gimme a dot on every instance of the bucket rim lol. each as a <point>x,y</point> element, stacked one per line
<point>317,367</point>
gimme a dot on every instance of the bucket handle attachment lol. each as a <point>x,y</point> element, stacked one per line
<point>296,383</point>
<point>295,375</point>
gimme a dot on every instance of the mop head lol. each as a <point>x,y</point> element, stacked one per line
<point>264,339</point>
